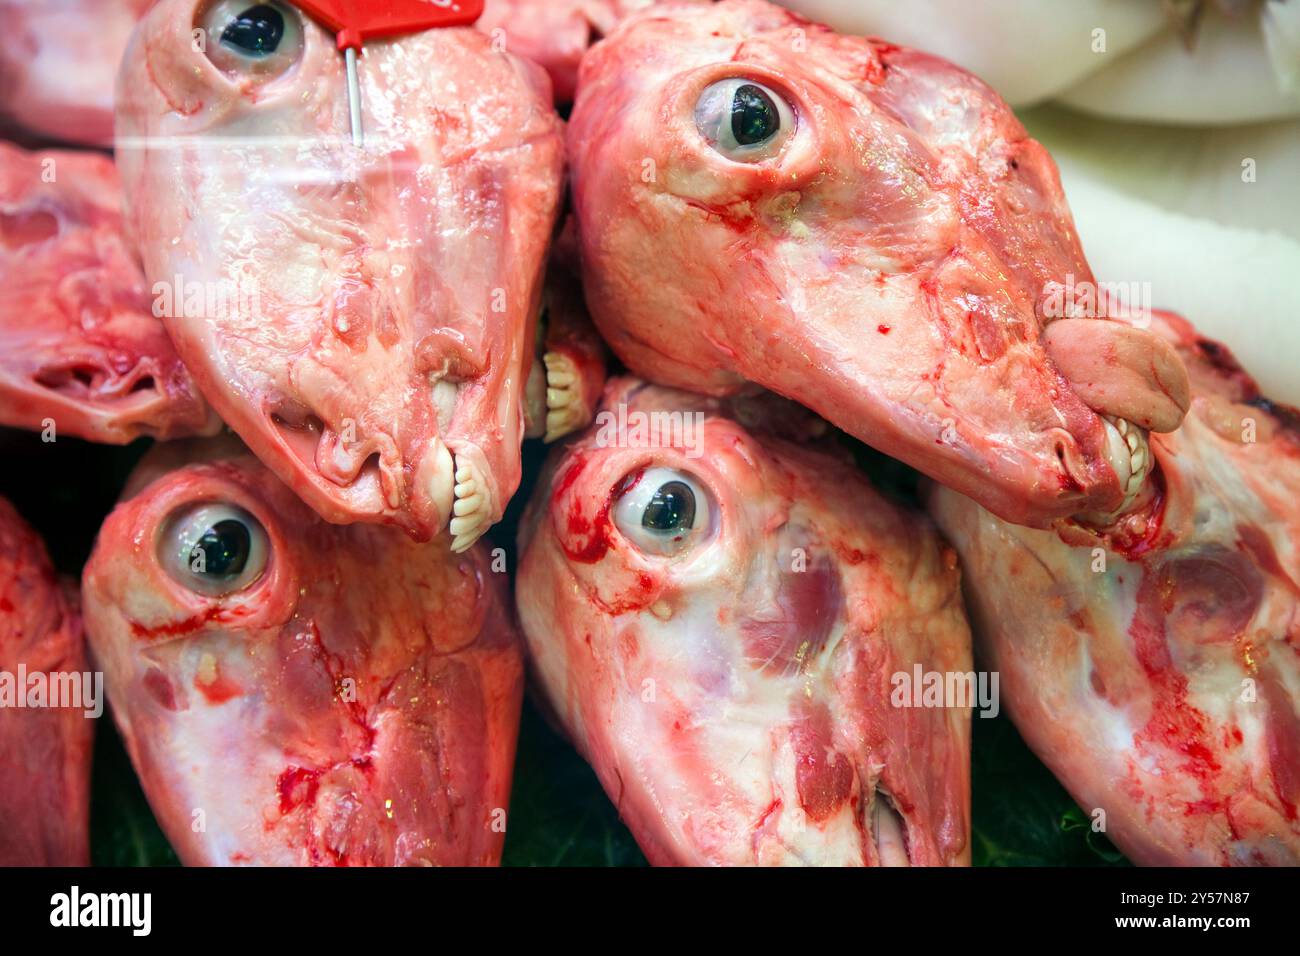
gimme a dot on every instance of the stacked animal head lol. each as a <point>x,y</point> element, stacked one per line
<point>716,615</point>
<point>869,230</point>
<point>293,692</point>
<point>361,317</point>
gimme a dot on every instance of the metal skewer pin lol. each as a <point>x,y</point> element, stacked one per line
<point>354,97</point>
<point>355,21</point>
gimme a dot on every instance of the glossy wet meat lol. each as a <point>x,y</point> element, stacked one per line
<point>45,750</point>
<point>716,615</point>
<point>80,345</point>
<point>1156,667</point>
<point>567,378</point>
<point>374,342</point>
<point>864,228</point>
<point>297,693</point>
<point>555,33</point>
<point>58,59</point>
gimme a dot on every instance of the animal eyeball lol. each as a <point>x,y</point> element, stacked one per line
<point>744,121</point>
<point>661,511</point>
<point>259,39</point>
<point>213,549</point>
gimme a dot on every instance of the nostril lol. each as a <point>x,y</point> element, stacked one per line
<point>78,379</point>
<point>344,456</point>
<point>294,417</point>
<point>145,383</point>
<point>889,831</point>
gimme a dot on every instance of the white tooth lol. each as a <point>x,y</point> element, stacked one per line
<point>1117,450</point>
<point>467,506</point>
<point>1129,454</point>
<point>471,512</point>
<point>564,411</point>
<point>463,524</point>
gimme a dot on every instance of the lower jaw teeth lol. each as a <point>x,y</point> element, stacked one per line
<point>1130,456</point>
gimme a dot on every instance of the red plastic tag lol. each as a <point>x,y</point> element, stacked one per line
<point>356,21</point>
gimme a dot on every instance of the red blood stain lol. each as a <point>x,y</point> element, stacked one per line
<point>6,605</point>
<point>1174,724</point>
<point>1135,545</point>
<point>772,807</point>
<point>297,786</point>
<point>218,691</point>
<point>874,71</point>
<point>588,541</point>
<point>212,615</point>
<point>883,329</point>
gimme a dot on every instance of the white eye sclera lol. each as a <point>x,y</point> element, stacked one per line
<point>743,120</point>
<point>213,549</point>
<point>662,511</point>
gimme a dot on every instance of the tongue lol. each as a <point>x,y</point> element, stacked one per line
<point>1120,370</point>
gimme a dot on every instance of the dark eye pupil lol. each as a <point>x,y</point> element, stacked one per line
<point>671,509</point>
<point>754,118</point>
<point>223,549</point>
<point>257,31</point>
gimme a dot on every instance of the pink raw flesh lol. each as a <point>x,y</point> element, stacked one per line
<point>79,343</point>
<point>555,33</point>
<point>383,336</point>
<point>1162,686</point>
<point>44,751</point>
<point>357,703</point>
<point>735,697</point>
<point>892,265</point>
<point>58,59</point>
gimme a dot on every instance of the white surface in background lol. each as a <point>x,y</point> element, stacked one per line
<point>1227,77</point>
<point>1028,50</point>
<point>1238,285</point>
<point>1034,50</point>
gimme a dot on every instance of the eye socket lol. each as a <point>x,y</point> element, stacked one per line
<point>257,39</point>
<point>743,120</point>
<point>661,510</point>
<point>213,549</point>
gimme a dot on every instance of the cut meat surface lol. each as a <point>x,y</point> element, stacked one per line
<point>297,693</point>
<point>722,619</point>
<point>1155,666</point>
<point>861,227</point>
<point>81,351</point>
<point>374,308</point>
<point>46,740</point>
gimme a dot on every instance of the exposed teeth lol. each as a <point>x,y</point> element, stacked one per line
<point>1129,454</point>
<point>565,410</point>
<point>471,513</point>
